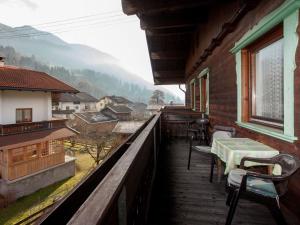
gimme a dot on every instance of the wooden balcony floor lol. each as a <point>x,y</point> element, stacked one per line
<point>183,197</point>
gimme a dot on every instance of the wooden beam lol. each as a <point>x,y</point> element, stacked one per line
<point>168,73</point>
<point>168,54</point>
<point>168,81</point>
<point>177,20</point>
<point>170,32</point>
<point>131,7</point>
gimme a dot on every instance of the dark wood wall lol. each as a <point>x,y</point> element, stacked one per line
<point>222,81</point>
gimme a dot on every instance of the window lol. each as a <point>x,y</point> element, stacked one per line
<point>192,94</point>
<point>263,79</point>
<point>44,149</point>
<point>17,155</point>
<point>67,107</point>
<point>265,64</point>
<point>55,146</point>
<point>204,90</point>
<point>23,115</point>
<point>31,151</point>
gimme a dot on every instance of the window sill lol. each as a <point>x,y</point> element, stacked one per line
<point>267,131</point>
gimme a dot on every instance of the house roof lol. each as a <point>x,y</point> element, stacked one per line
<point>68,97</point>
<point>15,78</point>
<point>127,127</point>
<point>79,97</point>
<point>118,99</point>
<point>85,97</point>
<point>94,117</point>
<point>119,108</point>
<point>154,107</point>
<point>138,106</point>
<point>19,140</point>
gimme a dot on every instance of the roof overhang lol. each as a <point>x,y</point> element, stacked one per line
<point>169,26</point>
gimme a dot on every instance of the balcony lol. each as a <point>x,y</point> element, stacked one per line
<point>145,181</point>
<point>18,128</point>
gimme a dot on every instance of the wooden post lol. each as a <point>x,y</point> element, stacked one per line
<point>122,207</point>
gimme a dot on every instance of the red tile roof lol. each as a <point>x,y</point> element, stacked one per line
<point>14,78</point>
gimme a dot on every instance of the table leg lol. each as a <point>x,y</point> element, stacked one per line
<point>219,169</point>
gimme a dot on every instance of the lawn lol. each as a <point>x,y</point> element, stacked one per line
<point>25,206</point>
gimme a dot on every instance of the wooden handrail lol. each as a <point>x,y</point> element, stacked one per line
<point>134,164</point>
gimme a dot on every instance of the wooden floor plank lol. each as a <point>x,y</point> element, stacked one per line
<point>183,197</point>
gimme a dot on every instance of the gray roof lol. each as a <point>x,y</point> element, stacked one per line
<point>119,108</point>
<point>68,97</point>
<point>94,117</point>
<point>79,97</point>
<point>118,99</point>
<point>138,106</point>
<point>127,127</point>
<point>85,97</point>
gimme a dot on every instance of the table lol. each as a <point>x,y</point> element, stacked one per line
<point>232,150</point>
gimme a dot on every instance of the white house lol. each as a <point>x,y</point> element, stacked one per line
<point>112,100</point>
<point>68,103</point>
<point>32,153</point>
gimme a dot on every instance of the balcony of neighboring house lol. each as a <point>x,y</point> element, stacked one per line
<point>25,127</point>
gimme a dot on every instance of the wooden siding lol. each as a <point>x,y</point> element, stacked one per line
<point>222,84</point>
<point>13,170</point>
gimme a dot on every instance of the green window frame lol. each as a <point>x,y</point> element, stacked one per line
<point>288,14</point>
<point>193,94</point>
<point>203,73</point>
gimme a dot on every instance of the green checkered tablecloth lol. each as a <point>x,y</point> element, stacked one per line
<point>232,150</point>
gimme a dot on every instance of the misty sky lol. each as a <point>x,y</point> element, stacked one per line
<point>106,28</point>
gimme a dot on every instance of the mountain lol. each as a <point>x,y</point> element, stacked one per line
<point>85,68</point>
<point>51,50</point>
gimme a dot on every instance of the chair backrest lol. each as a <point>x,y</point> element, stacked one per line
<point>222,132</point>
<point>227,129</point>
<point>289,165</point>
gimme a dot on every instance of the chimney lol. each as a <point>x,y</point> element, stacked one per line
<point>1,61</point>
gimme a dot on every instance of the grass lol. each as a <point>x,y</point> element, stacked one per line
<point>25,206</point>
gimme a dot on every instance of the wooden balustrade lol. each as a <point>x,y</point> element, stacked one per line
<point>123,196</point>
<point>29,127</point>
<point>176,119</point>
<point>118,191</point>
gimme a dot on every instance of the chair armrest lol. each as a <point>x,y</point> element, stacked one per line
<point>260,175</point>
<point>253,159</point>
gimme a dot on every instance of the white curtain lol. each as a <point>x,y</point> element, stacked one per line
<point>269,81</point>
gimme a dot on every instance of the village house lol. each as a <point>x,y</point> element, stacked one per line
<point>138,110</point>
<point>120,112</point>
<point>97,123</point>
<point>32,153</point>
<point>65,104</point>
<point>112,100</point>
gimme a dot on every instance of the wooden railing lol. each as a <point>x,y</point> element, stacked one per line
<point>29,127</point>
<point>176,119</point>
<point>118,191</point>
<point>123,196</point>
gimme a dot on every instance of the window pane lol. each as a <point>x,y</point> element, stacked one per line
<point>19,115</point>
<point>268,84</point>
<point>27,115</point>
